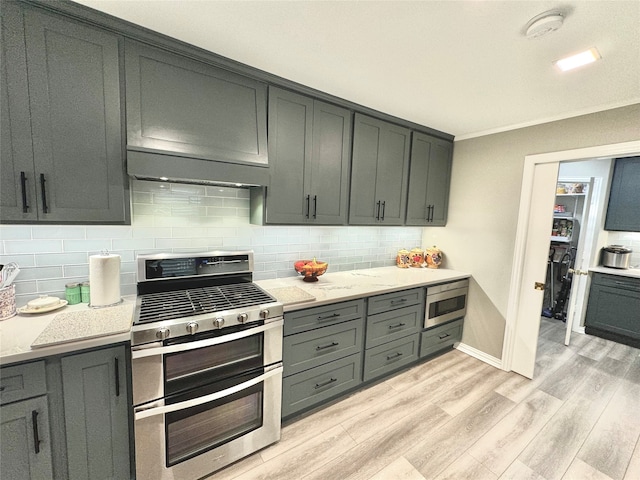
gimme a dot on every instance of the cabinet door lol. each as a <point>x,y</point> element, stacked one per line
<point>614,309</point>
<point>330,164</point>
<point>379,172</point>
<point>290,133</point>
<point>25,446</point>
<point>190,108</point>
<point>429,179</point>
<point>17,187</point>
<point>96,414</point>
<point>74,88</point>
<point>624,198</point>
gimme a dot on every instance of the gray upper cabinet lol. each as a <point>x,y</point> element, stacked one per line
<point>429,179</point>
<point>309,154</point>
<point>380,168</point>
<point>70,168</point>
<point>624,197</point>
<point>183,107</point>
<point>96,414</point>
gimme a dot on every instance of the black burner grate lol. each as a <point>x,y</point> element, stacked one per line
<point>175,304</point>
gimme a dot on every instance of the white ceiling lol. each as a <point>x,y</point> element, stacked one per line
<point>462,67</point>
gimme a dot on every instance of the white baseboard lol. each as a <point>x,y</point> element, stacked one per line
<point>474,352</point>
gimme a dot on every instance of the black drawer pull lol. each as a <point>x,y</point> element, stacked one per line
<point>36,436</point>
<point>397,325</point>
<point>378,210</point>
<point>328,345</point>
<point>324,384</point>
<point>117,368</point>
<point>442,337</point>
<point>2,389</point>
<point>307,209</point>
<point>382,216</point>
<point>397,302</point>
<point>23,186</point>
<point>328,317</point>
<point>395,355</point>
<point>43,191</point>
<point>315,205</point>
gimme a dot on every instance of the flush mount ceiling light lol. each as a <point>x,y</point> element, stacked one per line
<point>544,24</point>
<point>578,60</point>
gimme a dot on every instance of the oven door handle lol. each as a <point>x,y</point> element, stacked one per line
<point>156,409</point>
<point>150,350</point>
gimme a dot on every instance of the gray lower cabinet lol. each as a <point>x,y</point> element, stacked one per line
<point>379,172</point>
<point>62,149</point>
<point>25,442</point>
<point>624,196</point>
<point>440,337</point>
<point>96,414</point>
<point>612,308</point>
<point>386,358</point>
<point>322,354</point>
<point>309,157</point>
<point>429,180</point>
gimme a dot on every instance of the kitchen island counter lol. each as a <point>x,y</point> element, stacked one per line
<point>333,287</point>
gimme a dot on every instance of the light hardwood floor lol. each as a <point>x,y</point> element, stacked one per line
<point>456,417</point>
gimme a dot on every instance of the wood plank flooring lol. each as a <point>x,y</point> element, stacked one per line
<point>458,418</point>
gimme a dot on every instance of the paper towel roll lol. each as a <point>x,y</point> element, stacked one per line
<point>104,278</point>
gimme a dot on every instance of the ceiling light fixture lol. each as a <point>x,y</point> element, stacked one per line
<point>578,60</point>
<point>544,24</point>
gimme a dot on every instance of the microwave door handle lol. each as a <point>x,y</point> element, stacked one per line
<point>141,351</point>
<point>142,412</point>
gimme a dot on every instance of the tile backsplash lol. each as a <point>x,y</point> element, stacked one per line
<point>189,218</point>
<point>628,239</point>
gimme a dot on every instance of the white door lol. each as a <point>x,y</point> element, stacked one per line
<point>536,254</point>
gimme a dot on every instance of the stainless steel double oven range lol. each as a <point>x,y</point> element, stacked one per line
<point>206,364</point>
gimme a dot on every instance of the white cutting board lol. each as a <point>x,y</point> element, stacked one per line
<point>291,295</point>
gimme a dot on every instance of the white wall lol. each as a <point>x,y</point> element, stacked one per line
<point>486,178</point>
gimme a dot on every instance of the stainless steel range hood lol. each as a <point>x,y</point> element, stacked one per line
<point>145,165</point>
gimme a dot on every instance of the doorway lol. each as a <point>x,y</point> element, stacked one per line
<point>535,215</point>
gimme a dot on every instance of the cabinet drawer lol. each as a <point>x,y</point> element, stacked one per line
<point>440,337</point>
<point>313,386</point>
<point>393,300</point>
<point>316,347</point>
<point>388,326</point>
<point>308,319</point>
<point>616,281</point>
<point>22,381</point>
<point>390,356</point>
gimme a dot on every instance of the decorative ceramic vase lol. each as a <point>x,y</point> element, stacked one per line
<point>402,260</point>
<point>433,257</point>
<point>417,257</point>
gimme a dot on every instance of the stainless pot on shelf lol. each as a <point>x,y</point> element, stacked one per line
<point>616,256</point>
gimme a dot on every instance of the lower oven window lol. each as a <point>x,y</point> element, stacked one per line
<point>195,430</point>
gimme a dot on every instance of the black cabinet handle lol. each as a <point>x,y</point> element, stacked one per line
<point>328,317</point>
<point>36,436</point>
<point>442,337</point>
<point>117,367</point>
<point>382,216</point>
<point>2,389</point>
<point>328,345</point>
<point>395,355</point>
<point>397,325</point>
<point>43,190</point>
<point>23,186</point>
<point>315,205</point>
<point>397,302</point>
<point>307,209</point>
<point>324,384</point>
<point>378,210</point>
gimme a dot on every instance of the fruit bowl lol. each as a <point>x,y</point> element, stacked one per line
<point>310,269</point>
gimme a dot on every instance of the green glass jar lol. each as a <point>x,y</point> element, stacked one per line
<point>72,293</point>
<point>84,292</point>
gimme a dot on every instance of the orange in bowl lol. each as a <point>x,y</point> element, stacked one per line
<point>310,269</point>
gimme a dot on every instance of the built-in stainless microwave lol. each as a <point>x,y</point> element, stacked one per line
<point>445,302</point>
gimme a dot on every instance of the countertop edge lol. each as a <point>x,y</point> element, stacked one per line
<point>629,272</point>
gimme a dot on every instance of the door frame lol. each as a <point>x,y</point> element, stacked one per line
<point>515,319</point>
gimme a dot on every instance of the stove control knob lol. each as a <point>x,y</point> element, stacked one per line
<point>162,333</point>
<point>264,313</point>
<point>243,317</point>
<point>218,322</point>
<point>192,327</point>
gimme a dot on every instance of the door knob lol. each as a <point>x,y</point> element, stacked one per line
<point>578,272</point>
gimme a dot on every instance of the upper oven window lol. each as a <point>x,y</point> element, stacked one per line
<point>448,305</point>
<point>198,367</point>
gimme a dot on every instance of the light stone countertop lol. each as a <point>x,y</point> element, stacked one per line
<point>341,286</point>
<point>19,332</point>
<point>629,272</point>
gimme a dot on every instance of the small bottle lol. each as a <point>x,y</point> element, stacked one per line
<point>72,293</point>
<point>84,292</point>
